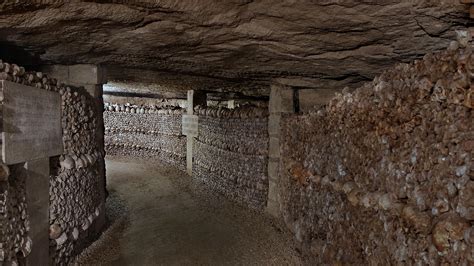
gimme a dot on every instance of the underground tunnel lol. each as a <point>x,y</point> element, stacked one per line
<point>237,132</point>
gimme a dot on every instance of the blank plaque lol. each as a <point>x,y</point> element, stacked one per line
<point>190,125</point>
<point>31,123</point>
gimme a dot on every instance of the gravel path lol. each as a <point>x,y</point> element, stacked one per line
<point>160,216</point>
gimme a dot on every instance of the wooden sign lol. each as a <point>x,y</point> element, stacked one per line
<point>31,123</point>
<point>190,125</point>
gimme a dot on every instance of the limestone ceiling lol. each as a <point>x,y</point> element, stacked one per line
<point>239,44</point>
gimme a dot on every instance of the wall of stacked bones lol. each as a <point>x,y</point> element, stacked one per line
<point>145,132</point>
<point>384,174</point>
<point>14,224</point>
<point>76,191</point>
<point>230,153</point>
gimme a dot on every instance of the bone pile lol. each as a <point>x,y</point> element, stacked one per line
<point>145,132</point>
<point>230,153</point>
<point>17,74</point>
<point>14,223</point>
<point>75,190</point>
<point>384,175</point>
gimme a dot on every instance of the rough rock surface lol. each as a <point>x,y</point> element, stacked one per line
<point>237,39</point>
<point>385,174</point>
<point>231,153</point>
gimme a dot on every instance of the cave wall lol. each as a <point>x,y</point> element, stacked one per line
<point>145,132</point>
<point>231,153</point>
<point>76,193</point>
<point>384,174</point>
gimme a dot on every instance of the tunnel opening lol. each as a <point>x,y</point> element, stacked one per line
<point>167,133</point>
<point>146,143</point>
<point>231,134</point>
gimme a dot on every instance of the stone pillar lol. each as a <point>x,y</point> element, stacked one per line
<point>91,77</point>
<point>194,98</point>
<point>37,196</point>
<point>281,101</point>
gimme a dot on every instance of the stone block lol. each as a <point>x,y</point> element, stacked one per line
<point>273,208</point>
<point>37,195</point>
<point>274,148</point>
<point>59,72</point>
<point>287,105</point>
<point>311,99</point>
<point>272,190</point>
<point>281,99</point>
<point>273,202</point>
<point>275,99</point>
<point>273,169</point>
<point>86,74</point>
<point>94,90</point>
<point>274,125</point>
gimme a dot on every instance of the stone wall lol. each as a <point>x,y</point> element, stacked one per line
<point>231,153</point>
<point>145,132</point>
<point>77,191</point>
<point>15,241</point>
<point>77,194</point>
<point>384,174</point>
<point>146,102</point>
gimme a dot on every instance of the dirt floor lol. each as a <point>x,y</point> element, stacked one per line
<point>160,216</point>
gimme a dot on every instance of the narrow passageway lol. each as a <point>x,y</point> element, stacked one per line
<point>159,216</point>
<point>237,132</point>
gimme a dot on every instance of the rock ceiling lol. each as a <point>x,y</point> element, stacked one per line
<point>235,44</point>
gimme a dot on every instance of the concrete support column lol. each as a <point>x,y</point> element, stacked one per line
<point>281,101</point>
<point>190,125</point>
